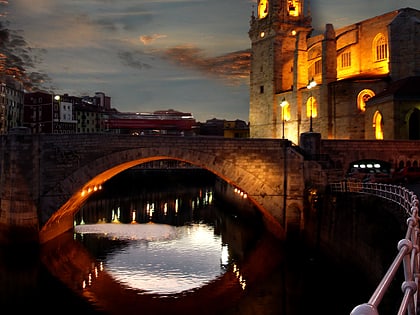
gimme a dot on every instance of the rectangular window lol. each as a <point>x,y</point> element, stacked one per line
<point>346,59</point>
<point>381,52</point>
<point>318,67</point>
<point>262,89</point>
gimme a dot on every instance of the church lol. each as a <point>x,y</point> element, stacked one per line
<point>361,81</point>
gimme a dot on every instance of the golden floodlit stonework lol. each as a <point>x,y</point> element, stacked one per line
<point>367,75</point>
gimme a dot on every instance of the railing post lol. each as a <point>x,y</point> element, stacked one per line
<point>364,309</point>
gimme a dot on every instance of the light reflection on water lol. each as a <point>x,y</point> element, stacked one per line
<point>228,259</point>
<point>253,273</point>
<point>160,258</point>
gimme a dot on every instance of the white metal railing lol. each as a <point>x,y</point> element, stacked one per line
<point>408,247</point>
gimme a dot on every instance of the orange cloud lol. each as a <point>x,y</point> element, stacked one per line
<point>148,39</point>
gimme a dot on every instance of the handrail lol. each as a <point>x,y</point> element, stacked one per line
<point>408,247</point>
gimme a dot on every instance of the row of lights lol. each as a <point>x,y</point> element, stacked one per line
<point>239,276</point>
<point>241,193</point>
<point>150,207</point>
<point>90,190</point>
<point>293,33</point>
<point>93,274</point>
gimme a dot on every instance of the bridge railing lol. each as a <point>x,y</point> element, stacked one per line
<point>408,248</point>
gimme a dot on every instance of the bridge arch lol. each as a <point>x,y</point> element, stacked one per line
<point>72,192</point>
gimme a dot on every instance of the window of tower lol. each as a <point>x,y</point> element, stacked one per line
<point>378,126</point>
<point>380,48</point>
<point>363,97</point>
<point>293,7</point>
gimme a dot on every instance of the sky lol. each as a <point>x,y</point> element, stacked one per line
<point>147,55</point>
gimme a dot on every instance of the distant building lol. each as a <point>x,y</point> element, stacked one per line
<point>163,122</point>
<point>224,128</point>
<point>364,77</point>
<point>47,113</point>
<point>11,104</point>
<point>90,113</point>
<point>235,129</point>
<point>212,127</point>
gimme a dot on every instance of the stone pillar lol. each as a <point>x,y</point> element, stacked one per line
<point>18,208</point>
<point>329,75</point>
<point>310,142</point>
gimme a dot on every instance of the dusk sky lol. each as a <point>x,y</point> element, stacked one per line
<point>147,55</point>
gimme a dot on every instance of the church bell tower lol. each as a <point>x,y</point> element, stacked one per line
<point>276,33</point>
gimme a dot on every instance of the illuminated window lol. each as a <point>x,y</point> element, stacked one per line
<point>345,61</point>
<point>380,46</point>
<point>293,7</point>
<point>263,6</point>
<point>378,126</point>
<point>363,97</point>
<point>286,112</point>
<point>311,107</point>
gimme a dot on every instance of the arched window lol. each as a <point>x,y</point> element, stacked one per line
<point>380,48</point>
<point>311,107</point>
<point>286,112</point>
<point>414,125</point>
<point>293,6</point>
<point>314,61</point>
<point>378,126</point>
<point>363,97</point>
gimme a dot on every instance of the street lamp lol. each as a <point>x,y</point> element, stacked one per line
<point>54,99</point>
<point>310,85</point>
<point>283,104</point>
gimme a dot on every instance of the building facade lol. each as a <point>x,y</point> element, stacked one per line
<point>344,84</point>
<point>11,104</point>
<point>45,112</point>
<point>90,112</point>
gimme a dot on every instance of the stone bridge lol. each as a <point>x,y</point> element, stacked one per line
<point>46,178</point>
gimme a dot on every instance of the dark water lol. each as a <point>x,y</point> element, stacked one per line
<point>172,247</point>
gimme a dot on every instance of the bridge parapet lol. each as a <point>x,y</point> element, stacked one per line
<point>342,152</point>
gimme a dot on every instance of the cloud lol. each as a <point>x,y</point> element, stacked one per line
<point>149,39</point>
<point>3,3</point>
<point>17,58</point>
<point>131,60</point>
<point>233,67</point>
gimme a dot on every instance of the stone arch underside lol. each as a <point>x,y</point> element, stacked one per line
<point>61,203</point>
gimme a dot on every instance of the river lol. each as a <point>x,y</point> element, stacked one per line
<point>161,243</point>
